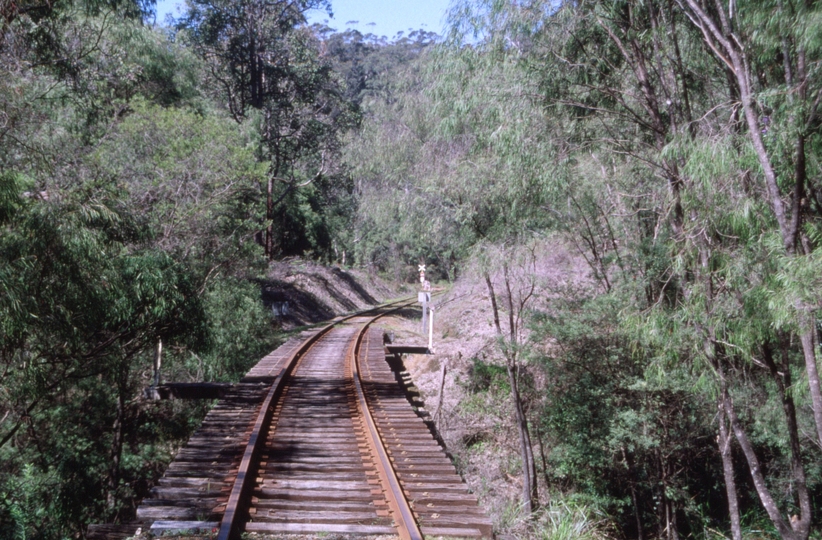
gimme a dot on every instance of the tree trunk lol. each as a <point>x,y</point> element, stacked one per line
<point>269,211</point>
<point>670,520</point>
<point>634,499</point>
<point>513,374</point>
<point>269,190</point>
<point>637,515</point>
<point>782,378</point>
<point>807,334</point>
<point>494,309</point>
<point>633,53</point>
<point>718,32</point>
<point>667,511</point>
<point>116,451</point>
<point>530,492</point>
<point>543,458</point>
<point>720,40</point>
<point>785,530</point>
<point>254,73</point>
<point>158,362</point>
<point>724,439</point>
<point>728,468</point>
<point>788,229</point>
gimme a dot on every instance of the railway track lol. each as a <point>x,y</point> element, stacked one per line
<point>319,437</point>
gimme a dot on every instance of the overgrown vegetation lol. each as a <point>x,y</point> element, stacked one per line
<point>675,145</point>
<point>148,174</point>
<point>130,195</point>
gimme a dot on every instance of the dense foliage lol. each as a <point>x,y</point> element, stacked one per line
<point>147,175</point>
<point>132,189</point>
<point>675,145</point>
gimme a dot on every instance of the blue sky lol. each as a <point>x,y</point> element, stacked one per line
<point>380,17</point>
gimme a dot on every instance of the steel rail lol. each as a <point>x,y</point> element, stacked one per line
<point>406,523</point>
<point>230,526</point>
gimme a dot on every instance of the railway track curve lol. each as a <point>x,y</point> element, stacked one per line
<point>319,437</point>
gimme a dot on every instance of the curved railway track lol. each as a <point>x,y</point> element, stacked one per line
<point>319,437</point>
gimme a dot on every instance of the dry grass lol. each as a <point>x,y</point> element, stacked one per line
<point>478,429</point>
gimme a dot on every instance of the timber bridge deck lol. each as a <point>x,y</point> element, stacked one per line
<point>319,437</point>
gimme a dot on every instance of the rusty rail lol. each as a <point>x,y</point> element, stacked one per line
<point>230,526</point>
<point>322,435</point>
<point>407,527</point>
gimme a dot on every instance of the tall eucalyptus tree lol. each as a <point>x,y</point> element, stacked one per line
<point>771,52</point>
<point>711,99</point>
<point>267,67</point>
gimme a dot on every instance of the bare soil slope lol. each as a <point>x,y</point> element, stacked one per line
<point>301,292</point>
<point>479,430</point>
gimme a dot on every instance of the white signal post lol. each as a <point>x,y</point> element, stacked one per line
<point>424,297</point>
<point>431,331</point>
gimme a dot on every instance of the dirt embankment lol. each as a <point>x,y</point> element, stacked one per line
<point>479,429</point>
<point>300,292</point>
